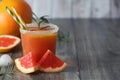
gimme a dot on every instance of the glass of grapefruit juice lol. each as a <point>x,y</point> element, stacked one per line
<point>38,41</point>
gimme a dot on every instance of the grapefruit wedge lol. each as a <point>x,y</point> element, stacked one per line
<point>48,63</point>
<point>27,63</point>
<point>7,42</point>
<point>51,63</point>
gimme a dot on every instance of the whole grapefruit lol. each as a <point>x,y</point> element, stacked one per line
<point>7,24</point>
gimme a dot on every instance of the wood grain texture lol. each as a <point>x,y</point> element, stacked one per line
<point>89,50</point>
<point>42,7</point>
<point>81,8</point>
<point>96,61</point>
<point>100,9</point>
<point>61,8</point>
<point>93,52</point>
<point>115,8</point>
<point>77,8</point>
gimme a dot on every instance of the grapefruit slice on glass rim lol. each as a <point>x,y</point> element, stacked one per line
<point>51,63</point>
<point>7,42</point>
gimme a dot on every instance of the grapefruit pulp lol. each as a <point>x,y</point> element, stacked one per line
<point>27,63</point>
<point>7,42</point>
<point>51,63</point>
<point>48,63</point>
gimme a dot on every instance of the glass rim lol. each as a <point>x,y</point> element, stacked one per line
<point>54,30</point>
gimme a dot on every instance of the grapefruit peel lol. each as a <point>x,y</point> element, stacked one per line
<point>24,70</point>
<point>54,64</point>
<point>50,69</point>
<point>27,59</point>
<point>10,45</point>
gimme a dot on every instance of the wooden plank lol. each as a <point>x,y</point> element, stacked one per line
<point>76,8</point>
<point>61,8</point>
<point>113,44</point>
<point>100,8</point>
<point>81,8</point>
<point>42,7</point>
<point>96,62</point>
<point>65,51</point>
<point>115,8</point>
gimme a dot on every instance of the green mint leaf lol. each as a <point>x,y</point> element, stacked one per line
<point>62,37</point>
<point>43,19</point>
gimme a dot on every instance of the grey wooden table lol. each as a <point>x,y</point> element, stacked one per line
<point>92,52</point>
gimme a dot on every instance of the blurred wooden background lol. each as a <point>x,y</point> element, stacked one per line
<point>76,8</point>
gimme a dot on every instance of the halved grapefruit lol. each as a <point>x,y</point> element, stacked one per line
<point>27,63</point>
<point>51,63</point>
<point>7,42</point>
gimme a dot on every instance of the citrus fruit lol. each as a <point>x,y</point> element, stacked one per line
<point>7,42</point>
<point>7,24</point>
<point>51,63</point>
<point>27,63</point>
<point>48,63</point>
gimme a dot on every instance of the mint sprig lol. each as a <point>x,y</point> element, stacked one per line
<point>7,72</point>
<point>39,20</point>
<point>62,37</point>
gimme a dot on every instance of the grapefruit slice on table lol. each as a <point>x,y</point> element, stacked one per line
<point>51,63</point>
<point>48,63</point>
<point>7,42</point>
<point>27,63</point>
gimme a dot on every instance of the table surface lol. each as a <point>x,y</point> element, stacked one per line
<point>92,51</point>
